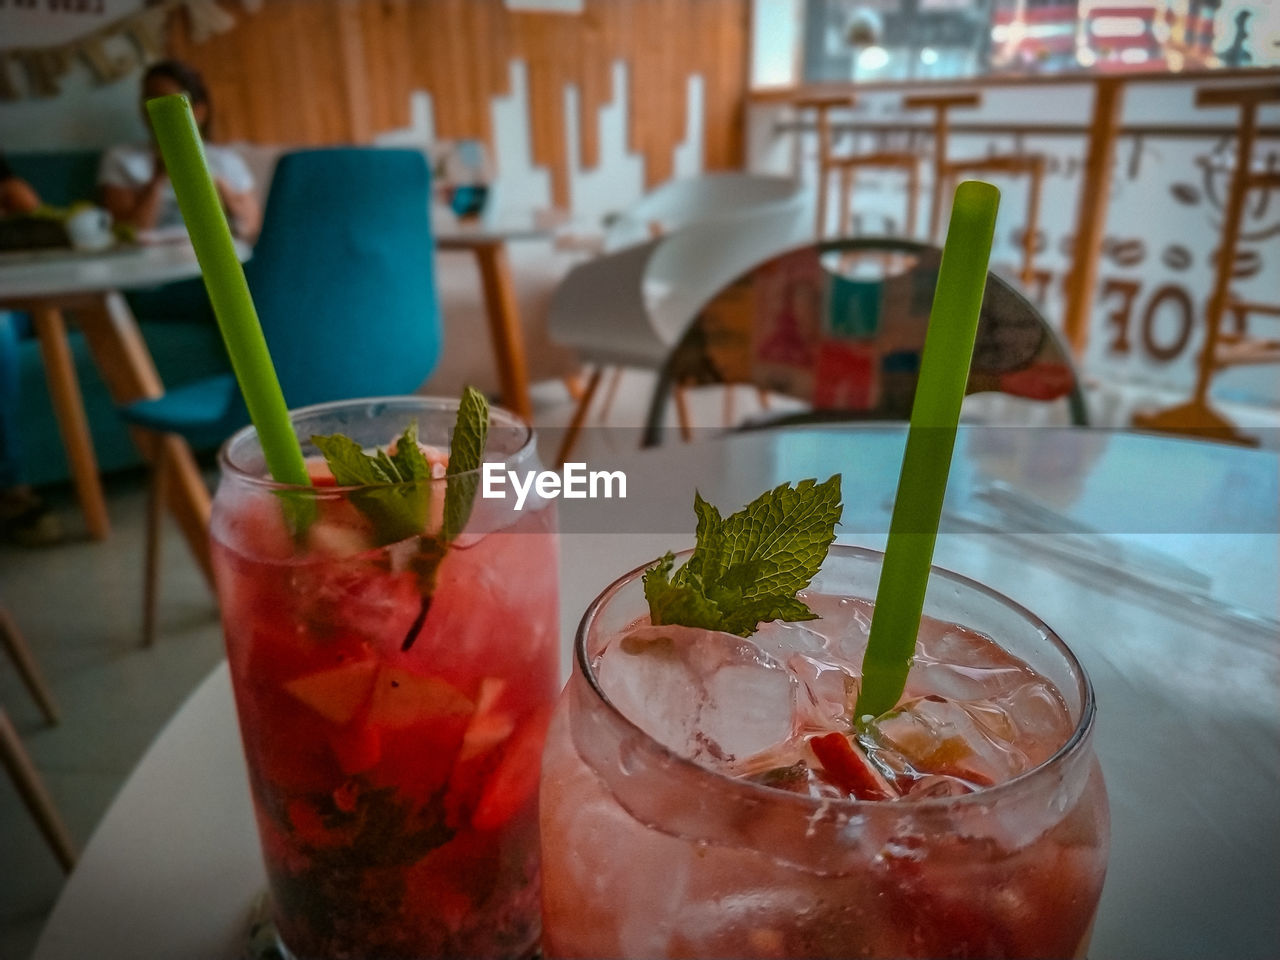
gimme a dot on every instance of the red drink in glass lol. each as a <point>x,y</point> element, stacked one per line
<point>693,806</point>
<point>393,756</point>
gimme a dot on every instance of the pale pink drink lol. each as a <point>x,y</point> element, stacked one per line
<point>687,813</point>
<point>393,756</point>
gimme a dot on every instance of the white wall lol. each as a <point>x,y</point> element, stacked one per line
<point>85,114</point>
<point>616,181</point>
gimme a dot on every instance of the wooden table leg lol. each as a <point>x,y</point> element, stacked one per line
<point>64,391</point>
<point>1091,213</point>
<point>579,415</point>
<point>20,652</point>
<point>574,385</point>
<point>31,788</point>
<point>130,374</point>
<point>504,326</point>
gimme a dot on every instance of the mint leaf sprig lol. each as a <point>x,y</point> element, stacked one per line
<point>393,493</point>
<point>394,490</point>
<point>747,568</point>
<point>466,453</point>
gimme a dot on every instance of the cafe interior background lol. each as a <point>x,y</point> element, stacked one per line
<point>570,112</point>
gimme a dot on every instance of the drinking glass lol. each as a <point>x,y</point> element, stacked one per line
<point>392,711</point>
<point>649,854</point>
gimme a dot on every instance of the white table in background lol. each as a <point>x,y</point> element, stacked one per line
<point>49,283</point>
<point>1188,726</point>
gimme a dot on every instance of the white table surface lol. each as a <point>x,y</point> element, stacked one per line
<point>492,226</point>
<point>1188,726</point>
<point>35,274</point>
<point>30,274</point>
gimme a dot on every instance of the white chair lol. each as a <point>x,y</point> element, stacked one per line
<point>709,196</point>
<point>671,252</point>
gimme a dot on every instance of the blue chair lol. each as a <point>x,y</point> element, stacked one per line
<point>344,283</point>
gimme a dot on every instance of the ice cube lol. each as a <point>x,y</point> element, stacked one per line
<point>826,677</point>
<point>359,597</point>
<point>709,696</point>
<point>843,624</point>
<point>780,641</point>
<point>825,694</point>
<point>337,540</point>
<point>933,735</point>
<point>1038,718</point>
<point>962,664</point>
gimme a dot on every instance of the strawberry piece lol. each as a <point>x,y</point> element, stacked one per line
<point>848,768</point>
<point>338,693</point>
<point>515,780</point>
<point>319,473</point>
<point>486,730</point>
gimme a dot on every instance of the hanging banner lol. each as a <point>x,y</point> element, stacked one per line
<point>121,36</point>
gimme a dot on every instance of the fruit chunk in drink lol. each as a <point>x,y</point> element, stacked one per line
<point>706,795</point>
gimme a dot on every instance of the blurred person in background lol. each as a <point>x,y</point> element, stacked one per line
<point>132,178</point>
<point>17,197</point>
<point>134,187</point>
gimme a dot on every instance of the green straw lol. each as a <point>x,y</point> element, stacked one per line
<point>944,372</point>
<point>183,153</point>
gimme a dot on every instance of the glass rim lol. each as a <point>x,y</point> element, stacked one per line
<point>497,415</point>
<point>1079,735</point>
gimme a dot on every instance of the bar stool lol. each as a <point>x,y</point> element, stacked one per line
<point>1221,349</point>
<point>14,757</point>
<point>946,171</point>
<point>847,165</point>
<point>822,106</point>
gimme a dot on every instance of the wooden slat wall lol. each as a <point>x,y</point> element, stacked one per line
<point>337,71</point>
